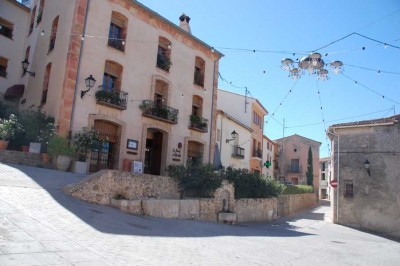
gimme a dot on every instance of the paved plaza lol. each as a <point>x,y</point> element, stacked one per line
<point>40,225</point>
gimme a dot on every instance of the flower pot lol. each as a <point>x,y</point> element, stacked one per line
<point>45,157</point>
<point>63,162</point>
<point>3,144</point>
<point>79,167</point>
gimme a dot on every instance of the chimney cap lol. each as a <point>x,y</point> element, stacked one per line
<point>184,17</point>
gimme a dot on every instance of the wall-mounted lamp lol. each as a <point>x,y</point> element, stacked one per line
<point>367,164</point>
<point>89,81</point>
<point>25,65</point>
<point>234,135</point>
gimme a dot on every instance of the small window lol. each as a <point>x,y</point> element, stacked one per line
<point>40,13</point>
<point>323,167</point>
<point>53,35</point>
<point>3,67</point>
<point>199,70</point>
<point>257,119</point>
<point>323,176</point>
<point>348,189</point>
<point>164,54</point>
<point>32,23</point>
<point>112,76</point>
<point>46,84</point>
<point>6,28</point>
<point>295,166</point>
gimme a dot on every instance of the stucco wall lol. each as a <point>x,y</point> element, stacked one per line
<point>289,204</point>
<point>375,204</point>
<point>256,210</point>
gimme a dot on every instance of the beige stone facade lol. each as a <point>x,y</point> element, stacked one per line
<point>367,198</point>
<point>293,159</point>
<point>155,96</point>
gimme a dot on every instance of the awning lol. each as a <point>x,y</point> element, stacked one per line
<point>15,91</point>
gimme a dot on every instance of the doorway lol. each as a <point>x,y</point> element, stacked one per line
<point>153,153</point>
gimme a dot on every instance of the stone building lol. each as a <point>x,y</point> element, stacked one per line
<point>13,17</point>
<point>250,112</point>
<point>293,159</point>
<point>155,92</point>
<point>366,157</point>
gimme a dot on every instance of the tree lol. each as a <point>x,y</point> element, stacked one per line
<point>310,173</point>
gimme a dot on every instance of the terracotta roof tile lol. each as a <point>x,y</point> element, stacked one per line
<point>392,119</point>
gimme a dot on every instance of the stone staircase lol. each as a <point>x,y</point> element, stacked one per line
<point>23,158</point>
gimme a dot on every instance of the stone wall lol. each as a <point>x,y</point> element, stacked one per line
<point>22,158</point>
<point>158,196</point>
<point>289,204</point>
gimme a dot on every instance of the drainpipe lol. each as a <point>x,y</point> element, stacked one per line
<point>79,68</point>
<point>212,114</point>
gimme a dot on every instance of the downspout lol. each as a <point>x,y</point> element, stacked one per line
<point>79,68</point>
<point>212,115</point>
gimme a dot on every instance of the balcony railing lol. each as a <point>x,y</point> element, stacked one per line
<point>257,153</point>
<point>117,44</point>
<point>238,152</point>
<point>6,32</point>
<point>198,123</point>
<point>163,62</point>
<point>115,98</point>
<point>159,111</point>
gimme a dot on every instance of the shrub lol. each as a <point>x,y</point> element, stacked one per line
<point>195,180</point>
<point>85,140</point>
<point>59,146</point>
<point>299,189</point>
<point>9,128</point>
<point>252,185</point>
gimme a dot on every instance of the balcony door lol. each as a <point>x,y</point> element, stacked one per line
<point>153,153</point>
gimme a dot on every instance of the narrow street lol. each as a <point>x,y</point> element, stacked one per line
<point>40,225</point>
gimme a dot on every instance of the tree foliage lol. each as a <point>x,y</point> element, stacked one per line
<point>310,167</point>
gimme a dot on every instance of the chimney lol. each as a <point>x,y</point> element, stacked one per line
<point>184,22</point>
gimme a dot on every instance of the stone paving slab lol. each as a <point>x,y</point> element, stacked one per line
<point>40,225</point>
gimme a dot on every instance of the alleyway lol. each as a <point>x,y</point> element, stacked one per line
<point>40,225</point>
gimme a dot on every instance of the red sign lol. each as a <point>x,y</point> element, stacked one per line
<point>333,183</point>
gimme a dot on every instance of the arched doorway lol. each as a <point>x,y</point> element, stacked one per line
<point>154,151</point>
<point>106,156</point>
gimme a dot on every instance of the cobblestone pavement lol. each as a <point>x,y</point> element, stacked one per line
<point>40,225</point>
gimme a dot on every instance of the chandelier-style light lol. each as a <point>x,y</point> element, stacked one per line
<point>313,64</point>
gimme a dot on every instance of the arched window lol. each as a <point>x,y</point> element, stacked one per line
<point>197,121</point>
<point>164,54</point>
<point>112,76</point>
<point>46,84</point>
<point>199,69</point>
<point>53,35</point>
<point>118,30</point>
<point>6,28</point>
<point>40,12</point>
<point>32,23</point>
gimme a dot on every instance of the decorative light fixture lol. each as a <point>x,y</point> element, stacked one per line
<point>25,65</point>
<point>89,81</point>
<point>233,135</point>
<point>313,63</point>
<point>367,164</point>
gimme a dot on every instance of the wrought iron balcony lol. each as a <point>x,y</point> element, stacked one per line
<point>117,44</point>
<point>159,111</point>
<point>115,98</point>
<point>163,62</point>
<point>198,123</point>
<point>238,152</point>
<point>257,153</point>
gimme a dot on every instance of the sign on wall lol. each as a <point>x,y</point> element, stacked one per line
<point>137,167</point>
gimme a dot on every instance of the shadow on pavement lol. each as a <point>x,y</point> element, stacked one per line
<point>112,221</point>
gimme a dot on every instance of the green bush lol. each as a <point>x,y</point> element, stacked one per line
<point>59,146</point>
<point>196,180</point>
<point>252,185</point>
<point>299,189</point>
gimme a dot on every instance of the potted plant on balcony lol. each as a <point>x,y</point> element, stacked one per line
<point>84,141</point>
<point>60,151</point>
<point>8,129</point>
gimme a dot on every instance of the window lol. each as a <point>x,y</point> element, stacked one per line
<point>40,12</point>
<point>46,84</point>
<point>323,167</point>
<point>3,67</point>
<point>112,76</point>
<point>32,23</point>
<point>164,54</point>
<point>199,69</point>
<point>6,28</point>
<point>323,176</point>
<point>53,35</point>
<point>257,119</point>
<point>348,189</point>
<point>117,32</point>
<point>27,52</point>
<point>295,166</point>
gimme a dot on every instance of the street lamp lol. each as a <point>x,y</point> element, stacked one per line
<point>313,64</point>
<point>89,81</point>
<point>25,65</point>
<point>233,135</point>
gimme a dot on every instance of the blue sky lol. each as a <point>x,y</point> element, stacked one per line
<point>301,27</point>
